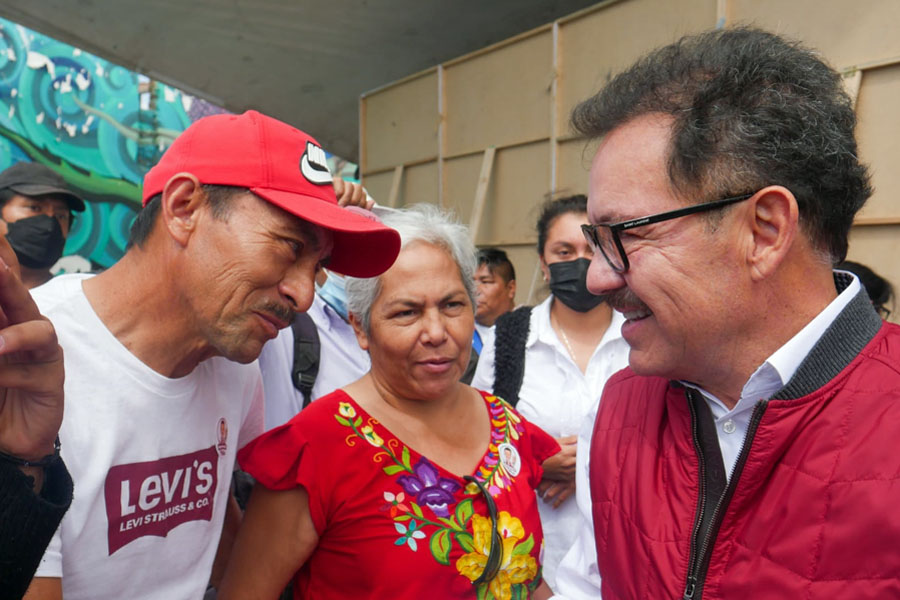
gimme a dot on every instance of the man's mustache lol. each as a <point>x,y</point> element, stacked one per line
<point>625,299</point>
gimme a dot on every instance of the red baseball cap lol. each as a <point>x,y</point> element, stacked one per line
<point>285,166</point>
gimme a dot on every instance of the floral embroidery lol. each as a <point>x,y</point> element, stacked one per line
<point>505,426</point>
<point>346,410</point>
<point>517,566</point>
<point>454,523</point>
<point>395,504</point>
<point>371,437</point>
<point>409,535</point>
<point>429,489</point>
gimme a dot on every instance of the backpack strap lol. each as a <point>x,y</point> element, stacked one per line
<point>306,355</point>
<point>510,336</point>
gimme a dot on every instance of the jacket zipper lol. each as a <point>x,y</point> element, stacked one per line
<point>691,584</point>
<point>698,562</point>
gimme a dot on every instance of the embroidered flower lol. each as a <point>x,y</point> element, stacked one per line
<point>395,504</point>
<point>408,536</point>
<point>346,410</point>
<point>371,436</point>
<point>428,488</point>
<point>516,565</point>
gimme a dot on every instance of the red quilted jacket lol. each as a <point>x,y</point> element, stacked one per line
<point>813,506</point>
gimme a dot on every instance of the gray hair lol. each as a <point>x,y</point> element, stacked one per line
<point>418,223</point>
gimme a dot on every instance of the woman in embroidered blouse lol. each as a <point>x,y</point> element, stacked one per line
<point>573,345</point>
<point>405,483</point>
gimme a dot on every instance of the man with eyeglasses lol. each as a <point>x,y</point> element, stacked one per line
<point>745,452</point>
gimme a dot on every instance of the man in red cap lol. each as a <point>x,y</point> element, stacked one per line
<point>161,382</point>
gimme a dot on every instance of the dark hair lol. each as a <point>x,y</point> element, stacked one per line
<point>218,197</point>
<point>7,194</point>
<point>750,109</point>
<point>554,208</point>
<point>879,289</point>
<point>497,263</point>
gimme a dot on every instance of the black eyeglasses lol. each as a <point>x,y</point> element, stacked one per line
<point>495,554</point>
<point>605,236</point>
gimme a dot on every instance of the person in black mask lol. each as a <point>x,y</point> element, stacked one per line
<point>36,207</point>
<point>553,361</point>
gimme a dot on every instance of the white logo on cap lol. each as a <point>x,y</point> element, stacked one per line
<point>314,165</point>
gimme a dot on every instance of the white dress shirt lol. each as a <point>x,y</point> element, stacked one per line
<point>559,398</point>
<point>771,376</point>
<point>578,577</point>
<point>341,361</point>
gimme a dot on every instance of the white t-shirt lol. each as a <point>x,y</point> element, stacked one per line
<point>559,398</point>
<point>341,361</point>
<point>151,458</point>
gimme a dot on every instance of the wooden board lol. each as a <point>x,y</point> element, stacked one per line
<point>401,123</point>
<point>379,186</point>
<point>574,165</point>
<point>500,97</point>
<point>598,45</point>
<point>878,247</point>
<point>846,33</point>
<point>460,182</point>
<point>520,182</point>
<point>878,133</point>
<point>420,184</point>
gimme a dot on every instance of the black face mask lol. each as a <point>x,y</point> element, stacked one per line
<point>38,241</point>
<point>568,283</point>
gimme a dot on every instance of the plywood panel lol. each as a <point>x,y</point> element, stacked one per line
<point>525,259</point>
<point>879,144</point>
<point>401,123</point>
<point>878,247</point>
<point>500,97</point>
<point>379,186</point>
<point>573,166</point>
<point>420,184</point>
<point>595,47</point>
<point>846,33</point>
<point>520,184</point>
<point>461,177</point>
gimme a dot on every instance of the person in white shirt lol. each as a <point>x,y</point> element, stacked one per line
<point>573,346</point>
<point>162,386</point>
<point>341,361</point>
<point>745,452</point>
<point>495,283</point>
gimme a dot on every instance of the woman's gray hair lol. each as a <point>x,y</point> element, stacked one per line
<point>418,223</point>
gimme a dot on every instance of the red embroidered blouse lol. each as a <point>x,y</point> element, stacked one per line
<point>393,524</point>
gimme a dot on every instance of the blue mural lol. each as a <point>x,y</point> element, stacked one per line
<point>97,124</point>
<point>89,120</point>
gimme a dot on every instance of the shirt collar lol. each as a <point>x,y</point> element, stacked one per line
<point>541,329</point>
<point>778,369</point>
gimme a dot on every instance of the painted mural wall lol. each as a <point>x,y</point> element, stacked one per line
<point>83,117</point>
<point>97,124</point>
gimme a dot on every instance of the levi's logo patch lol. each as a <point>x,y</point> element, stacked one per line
<point>314,165</point>
<point>152,498</point>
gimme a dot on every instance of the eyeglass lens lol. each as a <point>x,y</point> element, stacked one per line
<point>602,238</point>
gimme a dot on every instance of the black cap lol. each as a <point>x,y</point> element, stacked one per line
<point>35,180</point>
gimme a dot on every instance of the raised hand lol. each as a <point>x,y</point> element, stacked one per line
<point>31,369</point>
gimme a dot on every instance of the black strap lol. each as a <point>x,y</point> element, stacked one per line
<point>510,336</point>
<point>306,355</point>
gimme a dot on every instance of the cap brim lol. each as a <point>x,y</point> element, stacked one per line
<point>34,189</point>
<point>362,247</point>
